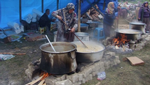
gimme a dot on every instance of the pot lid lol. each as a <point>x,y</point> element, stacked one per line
<point>128,31</point>
<point>137,23</point>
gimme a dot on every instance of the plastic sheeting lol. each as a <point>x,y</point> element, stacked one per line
<point>9,9</point>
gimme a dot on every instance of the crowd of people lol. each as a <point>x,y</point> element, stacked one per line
<point>67,18</point>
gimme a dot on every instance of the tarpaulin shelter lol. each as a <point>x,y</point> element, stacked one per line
<point>14,10</point>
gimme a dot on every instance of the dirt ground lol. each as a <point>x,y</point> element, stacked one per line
<point>12,71</point>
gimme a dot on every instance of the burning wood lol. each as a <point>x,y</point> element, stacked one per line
<point>41,79</point>
<point>119,41</point>
<point>44,75</point>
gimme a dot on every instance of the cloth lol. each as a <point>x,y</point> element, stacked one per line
<point>107,29</point>
<point>45,21</point>
<point>70,19</point>
<point>146,21</point>
<point>109,18</point>
<point>110,9</point>
<point>145,10</point>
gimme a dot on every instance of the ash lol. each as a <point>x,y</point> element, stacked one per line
<point>122,50</point>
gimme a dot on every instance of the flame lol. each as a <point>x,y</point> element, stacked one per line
<point>44,74</point>
<point>120,41</point>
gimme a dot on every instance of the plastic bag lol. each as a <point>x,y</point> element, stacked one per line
<point>6,56</point>
<point>101,76</point>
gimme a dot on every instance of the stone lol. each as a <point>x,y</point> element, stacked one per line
<point>83,81</point>
<point>63,77</point>
<point>107,64</point>
<point>50,81</point>
<point>64,82</point>
<point>74,78</point>
<point>117,57</point>
<point>80,76</point>
<point>14,82</point>
<point>94,74</point>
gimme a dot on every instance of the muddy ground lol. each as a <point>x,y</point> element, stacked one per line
<point>12,71</point>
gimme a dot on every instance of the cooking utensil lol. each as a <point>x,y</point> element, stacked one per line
<point>61,62</point>
<point>130,33</point>
<point>89,57</point>
<point>50,43</point>
<point>81,41</point>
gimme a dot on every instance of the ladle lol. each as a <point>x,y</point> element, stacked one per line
<point>50,43</point>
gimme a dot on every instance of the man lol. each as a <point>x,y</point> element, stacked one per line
<point>45,21</point>
<point>67,23</point>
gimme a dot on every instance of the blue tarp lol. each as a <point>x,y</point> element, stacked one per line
<point>9,9</point>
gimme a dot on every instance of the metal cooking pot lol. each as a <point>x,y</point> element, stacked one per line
<point>133,34</point>
<point>82,35</point>
<point>60,62</point>
<point>137,26</point>
<point>89,57</point>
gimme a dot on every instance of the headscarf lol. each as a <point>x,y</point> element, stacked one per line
<point>143,6</point>
<point>110,8</point>
<point>70,6</point>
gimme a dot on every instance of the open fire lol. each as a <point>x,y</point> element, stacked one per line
<point>41,79</point>
<point>120,40</point>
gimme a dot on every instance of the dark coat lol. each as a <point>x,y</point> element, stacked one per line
<point>44,21</point>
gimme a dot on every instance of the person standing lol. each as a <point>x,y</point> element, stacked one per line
<point>45,21</point>
<point>109,17</point>
<point>67,23</point>
<point>144,14</point>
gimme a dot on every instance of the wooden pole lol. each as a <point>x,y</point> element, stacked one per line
<point>57,4</point>
<point>20,13</point>
<point>79,14</point>
<point>42,6</point>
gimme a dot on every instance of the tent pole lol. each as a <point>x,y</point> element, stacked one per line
<point>20,13</point>
<point>57,4</point>
<point>42,6</point>
<point>79,14</point>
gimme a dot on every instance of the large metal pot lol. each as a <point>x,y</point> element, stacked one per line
<point>60,62</point>
<point>130,33</point>
<point>137,26</point>
<point>89,57</point>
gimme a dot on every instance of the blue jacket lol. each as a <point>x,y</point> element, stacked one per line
<point>109,18</point>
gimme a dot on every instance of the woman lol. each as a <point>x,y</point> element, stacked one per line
<point>109,17</point>
<point>144,14</point>
<point>66,15</point>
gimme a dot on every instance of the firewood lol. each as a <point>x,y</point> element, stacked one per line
<point>35,81</point>
<point>42,82</point>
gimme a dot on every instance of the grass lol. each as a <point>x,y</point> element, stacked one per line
<point>126,74</point>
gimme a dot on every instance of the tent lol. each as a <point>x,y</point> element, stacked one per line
<point>14,10</point>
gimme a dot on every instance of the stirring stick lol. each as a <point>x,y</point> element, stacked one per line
<point>50,43</point>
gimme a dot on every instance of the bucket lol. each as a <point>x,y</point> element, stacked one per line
<point>82,36</point>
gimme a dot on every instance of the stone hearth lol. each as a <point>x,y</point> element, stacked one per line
<point>84,73</point>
